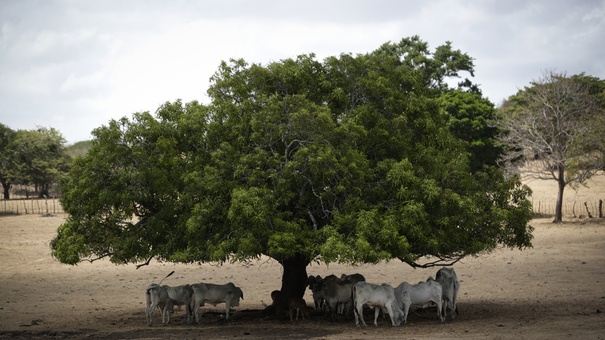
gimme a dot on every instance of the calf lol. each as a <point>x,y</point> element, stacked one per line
<point>377,297</point>
<point>299,305</point>
<point>275,296</point>
<point>419,294</point>
<point>229,294</point>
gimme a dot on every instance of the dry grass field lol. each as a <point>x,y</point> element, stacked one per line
<point>544,196</point>
<point>554,290</point>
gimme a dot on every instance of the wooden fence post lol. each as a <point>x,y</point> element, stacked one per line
<point>587,210</point>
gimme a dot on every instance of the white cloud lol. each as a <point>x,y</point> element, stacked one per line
<point>74,65</point>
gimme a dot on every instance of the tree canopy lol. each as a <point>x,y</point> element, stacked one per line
<point>32,157</point>
<point>8,170</point>
<point>348,159</point>
<point>470,117</point>
<point>559,122</point>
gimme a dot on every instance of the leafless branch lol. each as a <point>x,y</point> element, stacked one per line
<point>440,262</point>
<point>146,263</point>
<point>95,259</point>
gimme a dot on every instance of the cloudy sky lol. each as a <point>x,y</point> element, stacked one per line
<point>75,64</point>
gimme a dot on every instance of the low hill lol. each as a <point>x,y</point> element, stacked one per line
<point>79,148</point>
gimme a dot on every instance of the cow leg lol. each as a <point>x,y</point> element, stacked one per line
<point>189,312</point>
<point>440,312</point>
<point>151,304</point>
<point>358,311</point>
<point>147,305</point>
<point>227,308</point>
<point>333,307</point>
<point>154,305</point>
<point>167,312</point>
<point>317,301</point>
<point>376,311</point>
<point>149,316</point>
<point>196,311</point>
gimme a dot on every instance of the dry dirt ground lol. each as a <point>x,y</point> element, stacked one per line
<point>554,290</point>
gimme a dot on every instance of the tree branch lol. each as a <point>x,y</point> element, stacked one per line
<point>95,259</point>
<point>438,263</point>
<point>146,263</point>
<point>312,219</point>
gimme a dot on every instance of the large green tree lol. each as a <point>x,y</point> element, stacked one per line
<point>559,122</point>
<point>32,157</point>
<point>8,169</point>
<point>348,160</point>
<point>40,158</point>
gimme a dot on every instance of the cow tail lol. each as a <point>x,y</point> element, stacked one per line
<point>353,299</point>
<point>147,299</point>
<point>169,274</point>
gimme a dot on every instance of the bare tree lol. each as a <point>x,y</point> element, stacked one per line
<point>547,129</point>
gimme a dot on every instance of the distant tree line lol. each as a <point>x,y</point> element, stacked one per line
<point>37,158</point>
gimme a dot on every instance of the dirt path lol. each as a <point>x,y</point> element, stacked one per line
<point>554,290</point>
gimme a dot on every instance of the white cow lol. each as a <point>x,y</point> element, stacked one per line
<point>419,294</point>
<point>336,292</point>
<point>157,296</point>
<point>182,295</point>
<point>450,285</point>
<point>377,297</point>
<point>316,284</point>
<point>354,278</point>
<point>229,294</point>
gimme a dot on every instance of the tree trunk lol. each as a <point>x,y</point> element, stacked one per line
<point>559,206</point>
<point>6,191</point>
<point>43,191</point>
<point>294,281</point>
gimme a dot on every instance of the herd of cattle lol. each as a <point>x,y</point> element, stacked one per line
<point>331,294</point>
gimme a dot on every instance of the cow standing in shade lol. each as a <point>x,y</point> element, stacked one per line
<point>379,297</point>
<point>203,293</point>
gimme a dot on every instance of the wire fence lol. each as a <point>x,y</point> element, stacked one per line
<point>575,209</point>
<point>31,206</point>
